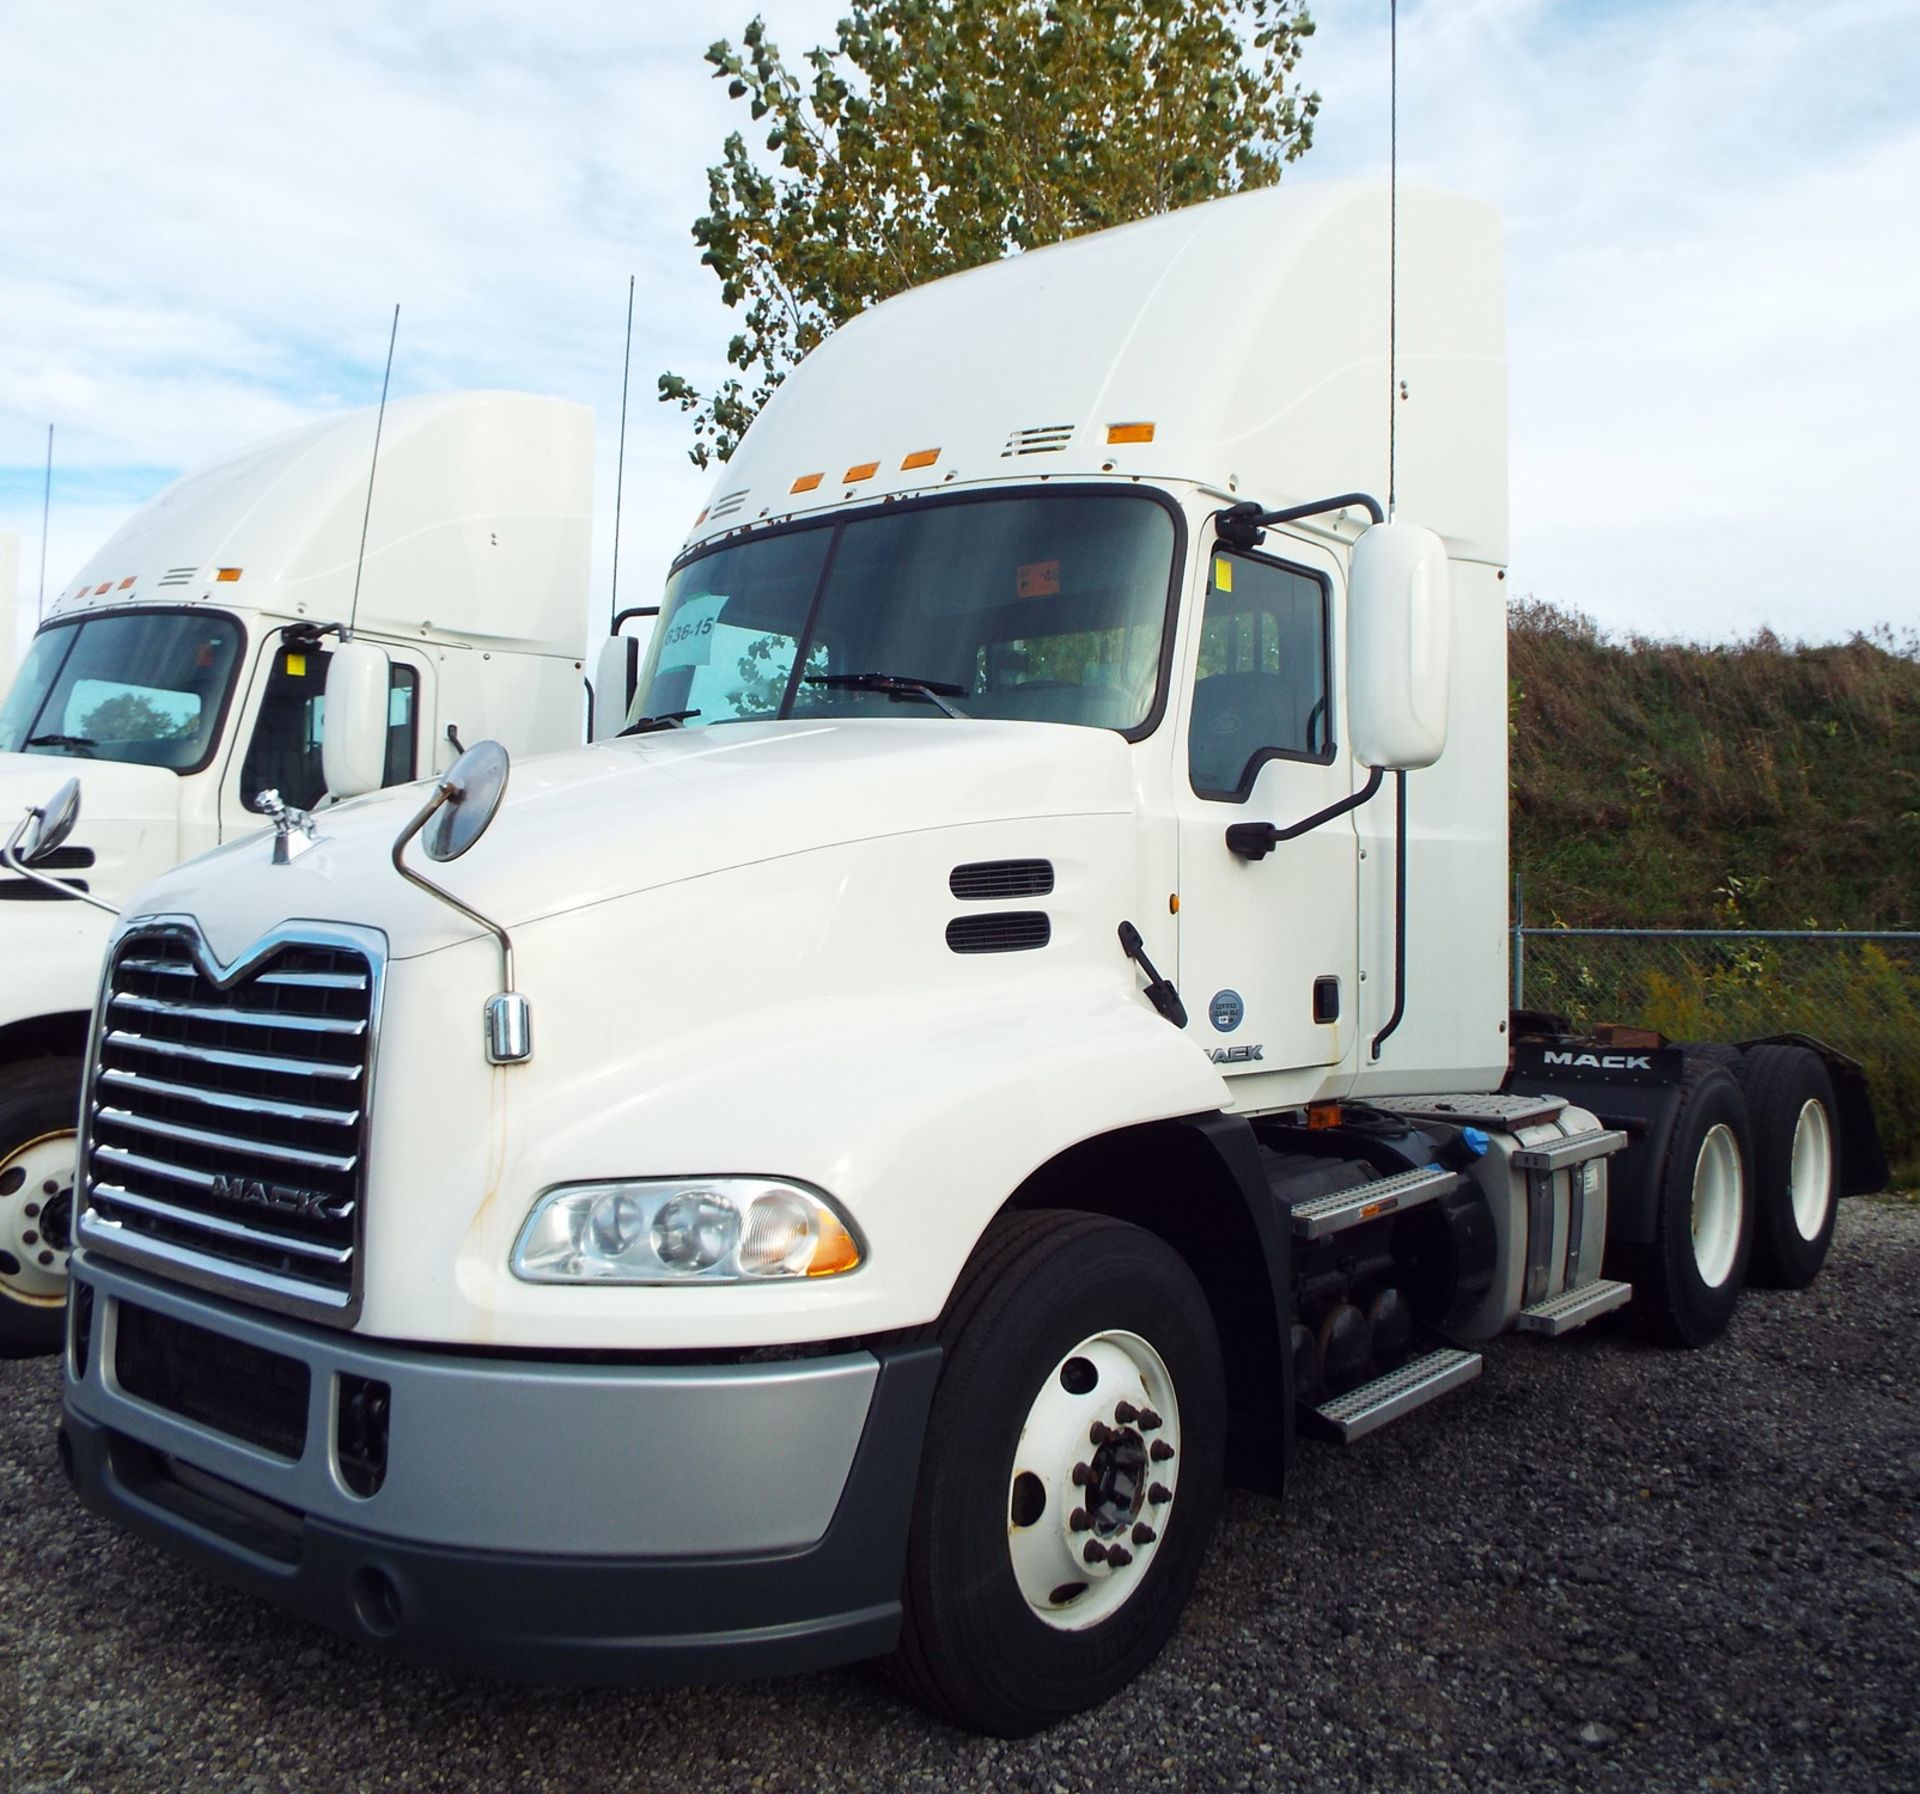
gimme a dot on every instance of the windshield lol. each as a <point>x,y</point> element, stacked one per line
<point>146,686</point>
<point>1049,607</point>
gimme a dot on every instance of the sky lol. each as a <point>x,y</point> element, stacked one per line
<point>208,210</point>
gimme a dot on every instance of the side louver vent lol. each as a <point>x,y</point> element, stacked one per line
<point>726,504</point>
<point>1043,439</point>
<point>1002,931</point>
<point>994,881</point>
<point>178,576</point>
<point>62,859</point>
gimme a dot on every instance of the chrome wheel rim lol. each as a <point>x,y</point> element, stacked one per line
<point>36,1219</point>
<point>1718,1199</point>
<point>1810,1170</point>
<point>1094,1480</point>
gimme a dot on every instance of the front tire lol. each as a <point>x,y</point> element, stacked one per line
<point>38,1104</point>
<point>1071,1473</point>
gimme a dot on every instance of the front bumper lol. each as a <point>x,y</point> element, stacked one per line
<point>552,1520</point>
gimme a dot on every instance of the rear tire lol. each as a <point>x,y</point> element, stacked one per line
<point>1796,1163</point>
<point>39,1103</point>
<point>1687,1283</point>
<point>1078,1351</point>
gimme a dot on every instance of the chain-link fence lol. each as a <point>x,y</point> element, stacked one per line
<point>1859,992</point>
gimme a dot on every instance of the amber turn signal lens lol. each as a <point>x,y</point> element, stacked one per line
<point>806,482</point>
<point>1129,432</point>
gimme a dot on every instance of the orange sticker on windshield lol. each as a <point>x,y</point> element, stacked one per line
<point>1037,579</point>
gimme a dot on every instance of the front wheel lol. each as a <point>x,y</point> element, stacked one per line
<point>1071,1473</point>
<point>38,1101</point>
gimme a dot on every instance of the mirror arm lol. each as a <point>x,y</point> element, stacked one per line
<point>1255,840</point>
<point>1245,525</point>
<point>10,858</point>
<point>508,1015</point>
<point>1399,912</point>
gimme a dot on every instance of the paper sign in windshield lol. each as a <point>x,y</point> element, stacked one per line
<point>1037,579</point>
<point>689,638</point>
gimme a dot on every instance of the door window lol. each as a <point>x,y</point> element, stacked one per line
<point>285,752</point>
<point>1260,691</point>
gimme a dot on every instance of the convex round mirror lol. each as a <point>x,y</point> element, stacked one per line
<point>475,784</point>
<point>52,824</point>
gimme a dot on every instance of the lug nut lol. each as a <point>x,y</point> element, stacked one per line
<point>1082,1475</point>
<point>1149,1421</point>
<point>1099,1433</point>
<point>1095,1553</point>
<point>1119,1556</point>
<point>1126,1413</point>
<point>1143,1534</point>
<point>1159,1494</point>
<point>1080,1520</point>
<point>1160,1451</point>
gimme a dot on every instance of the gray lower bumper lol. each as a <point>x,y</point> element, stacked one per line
<point>565,1521</point>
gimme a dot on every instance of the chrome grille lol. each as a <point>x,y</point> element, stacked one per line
<point>226,1118</point>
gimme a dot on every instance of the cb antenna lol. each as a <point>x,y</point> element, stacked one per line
<point>380,418</point>
<point>1393,243</point>
<point>620,470</point>
<point>46,511</point>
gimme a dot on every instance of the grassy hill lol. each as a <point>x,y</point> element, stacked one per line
<point>1762,785</point>
<point>1758,786</point>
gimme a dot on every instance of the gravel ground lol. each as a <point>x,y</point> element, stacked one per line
<point>1602,1566</point>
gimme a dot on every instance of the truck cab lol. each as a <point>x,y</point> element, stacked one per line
<point>184,673</point>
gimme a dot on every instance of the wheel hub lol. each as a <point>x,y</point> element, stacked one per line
<point>36,1219</point>
<point>1094,1478</point>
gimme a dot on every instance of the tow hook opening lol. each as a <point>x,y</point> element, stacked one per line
<point>376,1601</point>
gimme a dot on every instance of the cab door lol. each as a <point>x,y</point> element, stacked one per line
<point>279,747</point>
<point>1267,946</point>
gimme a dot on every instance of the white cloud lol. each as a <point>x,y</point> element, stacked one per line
<point>210,207</point>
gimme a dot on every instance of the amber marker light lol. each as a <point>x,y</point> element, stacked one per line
<point>806,482</point>
<point>861,470</point>
<point>919,458</point>
<point>835,1250</point>
<point>227,575</point>
<point>100,591</point>
<point>124,584</point>
<point>1322,1115</point>
<point>1129,432</point>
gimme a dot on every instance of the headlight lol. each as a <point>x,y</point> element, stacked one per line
<point>684,1230</point>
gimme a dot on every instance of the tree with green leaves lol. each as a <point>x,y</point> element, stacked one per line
<point>939,134</point>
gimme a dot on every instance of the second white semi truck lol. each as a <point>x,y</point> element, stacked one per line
<point>1017,1031</point>
<point>186,670</point>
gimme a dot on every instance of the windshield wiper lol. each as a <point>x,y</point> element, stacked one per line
<point>667,719</point>
<point>895,685</point>
<point>80,744</point>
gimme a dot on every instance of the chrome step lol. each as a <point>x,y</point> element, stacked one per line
<point>1368,1202</point>
<point>1366,1409</point>
<point>1569,1149</point>
<point>1572,1308</point>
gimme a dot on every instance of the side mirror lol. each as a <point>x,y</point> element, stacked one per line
<point>1399,647</point>
<point>49,826</point>
<point>616,670</point>
<point>353,741</point>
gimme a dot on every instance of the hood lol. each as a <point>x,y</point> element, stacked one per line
<point>584,827</point>
<point>129,817</point>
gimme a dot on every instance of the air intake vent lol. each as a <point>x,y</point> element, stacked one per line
<point>994,881</point>
<point>1004,931</point>
<point>178,576</point>
<point>1043,439</point>
<point>62,859</point>
<point>726,504</point>
<point>226,1126</point>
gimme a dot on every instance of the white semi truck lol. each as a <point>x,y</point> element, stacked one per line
<point>1017,1030</point>
<point>186,670</point>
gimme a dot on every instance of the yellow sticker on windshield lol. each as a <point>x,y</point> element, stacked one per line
<point>1222,573</point>
<point>296,666</point>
